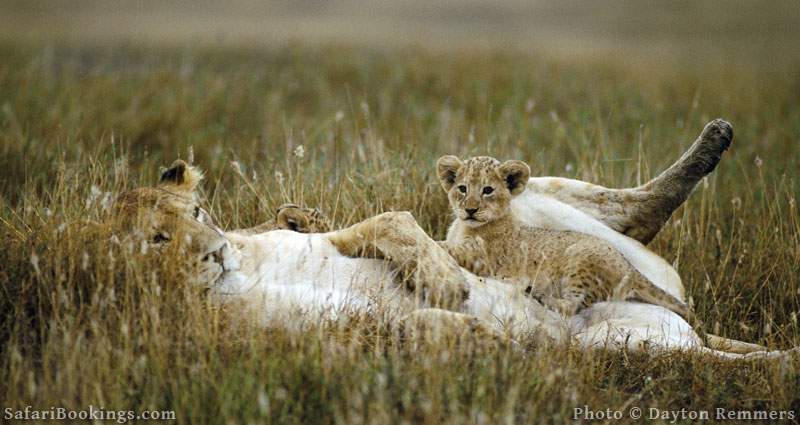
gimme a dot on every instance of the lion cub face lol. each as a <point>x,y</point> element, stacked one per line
<point>480,189</point>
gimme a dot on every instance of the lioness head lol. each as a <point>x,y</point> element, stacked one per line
<point>169,216</point>
<point>480,188</point>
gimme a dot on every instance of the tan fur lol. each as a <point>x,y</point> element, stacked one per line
<point>565,270</point>
<point>394,236</point>
<point>170,216</point>
<point>181,178</point>
<point>295,218</point>
<point>423,264</point>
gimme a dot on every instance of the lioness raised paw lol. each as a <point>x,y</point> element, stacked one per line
<point>707,150</point>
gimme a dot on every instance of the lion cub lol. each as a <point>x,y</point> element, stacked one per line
<point>565,270</point>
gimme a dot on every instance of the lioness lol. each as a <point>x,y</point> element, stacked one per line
<point>388,264</point>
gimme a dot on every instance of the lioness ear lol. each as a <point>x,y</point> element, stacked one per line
<point>181,177</point>
<point>516,174</point>
<point>447,167</point>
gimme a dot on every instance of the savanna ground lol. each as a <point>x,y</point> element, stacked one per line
<point>85,320</point>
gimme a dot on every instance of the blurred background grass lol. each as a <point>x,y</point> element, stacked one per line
<point>96,96</point>
<point>731,29</point>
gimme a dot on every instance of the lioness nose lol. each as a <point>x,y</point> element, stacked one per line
<point>470,211</point>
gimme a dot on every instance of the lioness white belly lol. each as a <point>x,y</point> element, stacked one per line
<point>288,272</point>
<point>288,278</point>
<point>304,273</point>
<point>632,325</point>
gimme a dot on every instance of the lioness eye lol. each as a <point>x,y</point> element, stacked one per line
<point>196,212</point>
<point>462,188</point>
<point>488,190</point>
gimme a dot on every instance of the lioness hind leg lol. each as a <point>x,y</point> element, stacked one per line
<point>655,201</point>
<point>697,162</point>
<point>424,265</point>
<point>641,212</point>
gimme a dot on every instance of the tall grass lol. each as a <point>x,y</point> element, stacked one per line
<point>86,319</point>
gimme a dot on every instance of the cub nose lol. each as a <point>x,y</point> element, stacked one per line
<point>470,211</point>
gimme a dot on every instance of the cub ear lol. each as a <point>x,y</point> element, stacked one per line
<point>291,217</point>
<point>447,167</point>
<point>181,177</point>
<point>515,174</point>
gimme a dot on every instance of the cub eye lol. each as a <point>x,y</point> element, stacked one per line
<point>487,190</point>
<point>196,212</point>
<point>160,238</point>
<point>462,188</point>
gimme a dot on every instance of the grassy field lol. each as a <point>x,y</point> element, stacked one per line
<point>87,321</point>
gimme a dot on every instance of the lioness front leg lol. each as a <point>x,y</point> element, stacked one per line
<point>424,265</point>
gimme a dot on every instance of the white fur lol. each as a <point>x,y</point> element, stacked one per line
<point>303,275</point>
<point>289,272</point>
<point>288,278</point>
<point>637,326</point>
